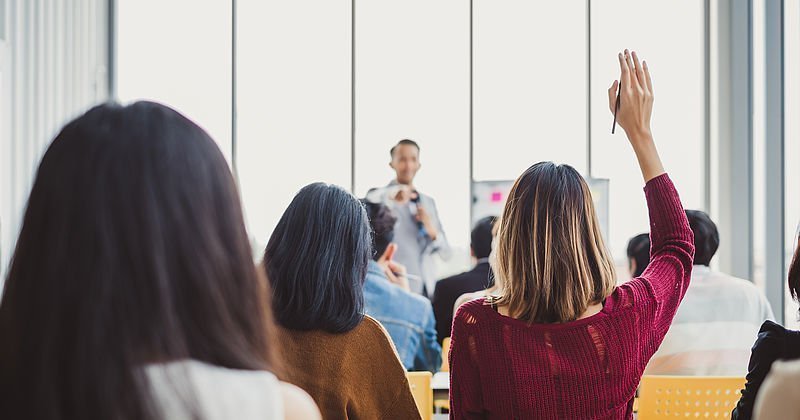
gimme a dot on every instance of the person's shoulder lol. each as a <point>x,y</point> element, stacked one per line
<point>245,393</point>
<point>745,286</point>
<point>634,293</point>
<point>373,339</point>
<point>471,277</point>
<point>426,198</point>
<point>419,309</point>
<point>788,367</point>
<point>773,329</point>
<point>370,332</point>
<point>469,311</point>
<point>777,395</point>
<point>451,281</point>
<point>772,340</point>
<point>466,297</point>
<point>201,371</point>
<point>297,403</point>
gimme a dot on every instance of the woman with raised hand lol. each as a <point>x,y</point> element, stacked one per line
<point>562,340</point>
<point>316,261</point>
<point>132,293</point>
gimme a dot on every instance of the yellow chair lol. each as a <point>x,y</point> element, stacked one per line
<point>696,397</point>
<point>423,393</point>
<point>441,405</point>
<point>445,355</point>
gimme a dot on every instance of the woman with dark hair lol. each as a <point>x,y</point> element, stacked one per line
<point>316,261</point>
<point>132,293</point>
<point>774,343</point>
<point>562,340</point>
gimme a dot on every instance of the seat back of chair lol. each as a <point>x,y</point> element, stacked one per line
<point>696,397</point>
<point>423,393</point>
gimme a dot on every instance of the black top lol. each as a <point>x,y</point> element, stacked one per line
<point>773,343</point>
<point>450,289</point>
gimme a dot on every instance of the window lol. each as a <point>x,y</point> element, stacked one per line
<point>179,53</point>
<point>529,92</point>
<point>293,104</point>
<point>673,46</point>
<point>412,81</point>
<point>759,175</point>
<point>791,151</point>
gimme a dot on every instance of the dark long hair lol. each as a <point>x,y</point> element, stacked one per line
<point>316,260</point>
<point>133,250</point>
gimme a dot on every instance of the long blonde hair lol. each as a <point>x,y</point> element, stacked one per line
<point>551,258</point>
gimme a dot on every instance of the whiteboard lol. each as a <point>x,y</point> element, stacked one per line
<point>489,199</point>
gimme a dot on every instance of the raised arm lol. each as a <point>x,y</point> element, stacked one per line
<point>672,243</point>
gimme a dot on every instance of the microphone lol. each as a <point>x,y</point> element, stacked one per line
<point>420,225</point>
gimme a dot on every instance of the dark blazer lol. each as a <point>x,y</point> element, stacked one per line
<point>773,343</point>
<point>450,289</point>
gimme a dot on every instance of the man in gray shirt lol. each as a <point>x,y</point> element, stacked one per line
<point>418,231</point>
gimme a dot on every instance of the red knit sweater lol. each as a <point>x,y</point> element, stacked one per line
<point>504,368</point>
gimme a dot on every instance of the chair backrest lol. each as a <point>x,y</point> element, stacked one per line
<point>445,355</point>
<point>423,393</point>
<point>696,397</point>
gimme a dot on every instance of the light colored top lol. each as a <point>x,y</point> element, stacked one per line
<point>714,328</point>
<point>187,388</point>
<point>415,249</point>
<point>779,397</point>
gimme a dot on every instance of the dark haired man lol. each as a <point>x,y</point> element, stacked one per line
<point>713,330</point>
<point>479,278</point>
<point>406,316</point>
<point>418,230</point>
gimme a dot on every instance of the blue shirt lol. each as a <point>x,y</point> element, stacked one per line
<point>407,317</point>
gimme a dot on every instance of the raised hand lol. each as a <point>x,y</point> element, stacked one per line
<point>635,109</point>
<point>635,97</point>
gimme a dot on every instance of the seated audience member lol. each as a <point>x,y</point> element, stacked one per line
<point>496,283</point>
<point>713,329</point>
<point>638,254</point>
<point>132,293</point>
<point>774,343</point>
<point>407,317</point>
<point>316,261</point>
<point>562,341</point>
<point>479,278</point>
<point>779,398</point>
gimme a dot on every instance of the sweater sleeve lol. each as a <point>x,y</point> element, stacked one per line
<point>671,256</point>
<point>465,390</point>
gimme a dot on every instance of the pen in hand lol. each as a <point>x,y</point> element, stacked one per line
<point>616,108</point>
